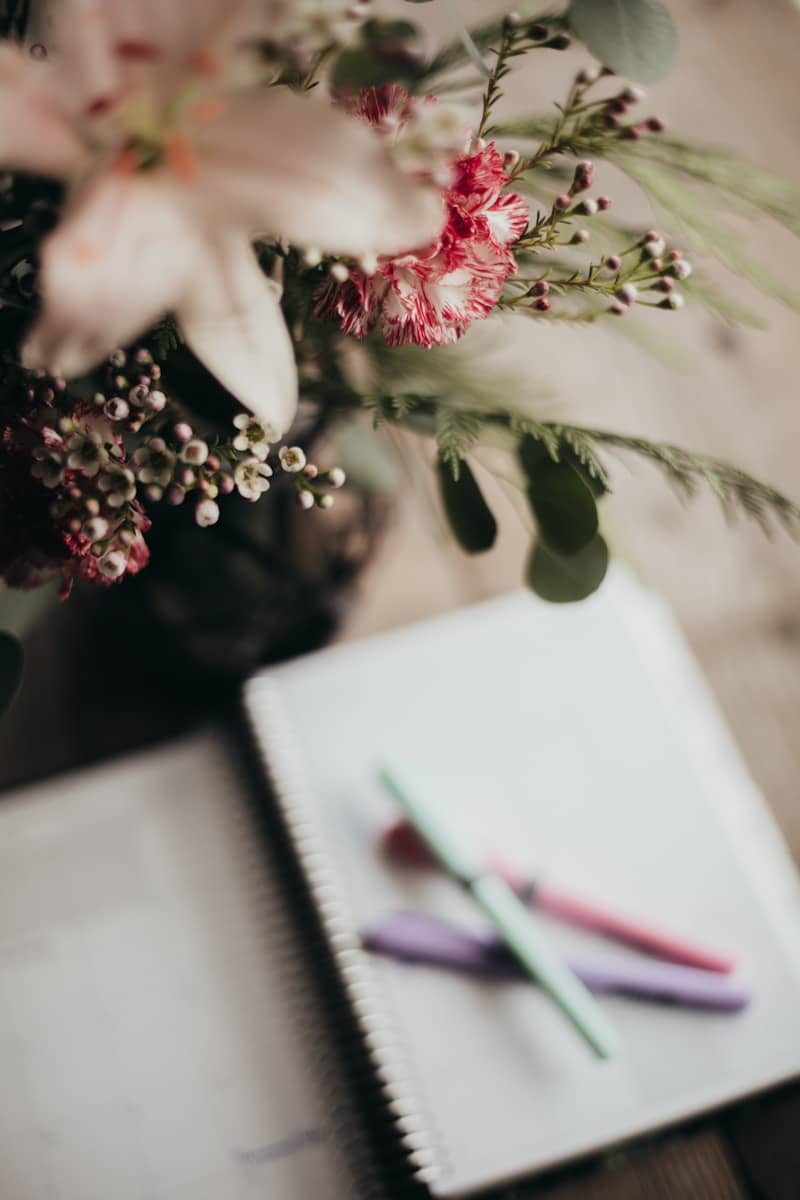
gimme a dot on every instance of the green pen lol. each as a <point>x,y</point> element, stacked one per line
<point>512,919</point>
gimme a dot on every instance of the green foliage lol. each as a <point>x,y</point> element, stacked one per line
<point>692,213</point>
<point>166,337</point>
<point>635,38</point>
<point>736,490</point>
<point>563,505</point>
<point>470,517</point>
<point>734,182</point>
<point>456,433</point>
<point>566,580</point>
<point>563,443</point>
<point>483,37</point>
<point>384,52</point>
<point>11,664</point>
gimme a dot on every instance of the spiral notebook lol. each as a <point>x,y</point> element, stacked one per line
<point>186,1012</point>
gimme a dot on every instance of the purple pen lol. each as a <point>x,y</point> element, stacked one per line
<point>418,937</point>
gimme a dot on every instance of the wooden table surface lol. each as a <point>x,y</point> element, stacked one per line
<point>737,595</point>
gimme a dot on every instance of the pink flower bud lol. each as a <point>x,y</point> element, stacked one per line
<point>583,177</point>
<point>156,401</point>
<point>628,293</point>
<point>542,304</point>
<point>183,432</point>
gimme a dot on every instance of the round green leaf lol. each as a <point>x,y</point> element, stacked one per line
<point>532,453</point>
<point>563,505</point>
<point>566,580</point>
<point>11,659</point>
<point>470,517</point>
<point>635,38</point>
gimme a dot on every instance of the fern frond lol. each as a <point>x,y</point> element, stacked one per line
<point>735,488</point>
<point>735,182</point>
<point>166,337</point>
<point>457,431</point>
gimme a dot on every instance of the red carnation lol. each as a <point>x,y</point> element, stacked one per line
<point>430,296</point>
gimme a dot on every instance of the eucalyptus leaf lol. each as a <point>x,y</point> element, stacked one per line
<point>635,38</point>
<point>470,517</point>
<point>562,580</point>
<point>562,504</point>
<point>364,66</point>
<point>11,661</point>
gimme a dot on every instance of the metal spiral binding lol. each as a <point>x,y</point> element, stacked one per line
<point>410,1146</point>
<point>314,1058</point>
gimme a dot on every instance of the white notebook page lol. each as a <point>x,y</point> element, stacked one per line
<point>579,742</point>
<point>149,1039</point>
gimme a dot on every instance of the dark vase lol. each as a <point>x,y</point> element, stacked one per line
<point>268,582</point>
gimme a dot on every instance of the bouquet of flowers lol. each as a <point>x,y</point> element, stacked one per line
<point>215,211</point>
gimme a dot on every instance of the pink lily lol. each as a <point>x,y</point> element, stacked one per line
<point>171,169</point>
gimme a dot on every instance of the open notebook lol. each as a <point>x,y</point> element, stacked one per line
<point>185,1009</point>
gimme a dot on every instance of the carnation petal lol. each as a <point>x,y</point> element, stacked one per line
<point>296,168</point>
<point>119,260</point>
<point>508,218</point>
<point>231,318</point>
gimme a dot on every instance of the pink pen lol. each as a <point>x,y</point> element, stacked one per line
<point>400,841</point>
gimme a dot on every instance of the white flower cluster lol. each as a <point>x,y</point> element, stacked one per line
<point>431,138</point>
<point>301,28</point>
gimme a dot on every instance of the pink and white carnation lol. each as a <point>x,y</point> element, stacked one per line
<point>431,295</point>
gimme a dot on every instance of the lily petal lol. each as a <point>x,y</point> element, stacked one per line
<point>301,170</point>
<point>105,46</point>
<point>35,133</point>
<point>231,318</point>
<point>119,260</point>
